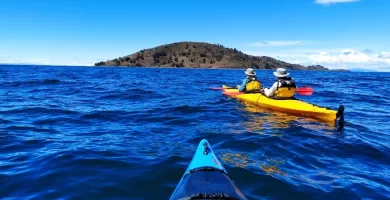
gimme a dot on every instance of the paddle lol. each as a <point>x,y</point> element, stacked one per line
<point>305,91</point>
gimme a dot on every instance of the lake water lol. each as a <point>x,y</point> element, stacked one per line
<point>130,133</point>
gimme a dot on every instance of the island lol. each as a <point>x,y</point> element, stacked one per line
<point>200,55</point>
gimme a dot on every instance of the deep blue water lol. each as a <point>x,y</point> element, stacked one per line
<point>130,133</point>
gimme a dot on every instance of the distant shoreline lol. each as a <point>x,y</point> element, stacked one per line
<point>216,68</point>
<point>151,67</point>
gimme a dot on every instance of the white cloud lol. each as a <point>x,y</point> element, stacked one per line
<point>278,43</point>
<point>334,1</point>
<point>331,58</point>
<point>277,54</point>
<point>350,58</point>
<point>384,55</point>
<point>295,61</point>
<point>290,53</point>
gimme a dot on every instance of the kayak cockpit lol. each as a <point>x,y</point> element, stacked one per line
<point>207,184</point>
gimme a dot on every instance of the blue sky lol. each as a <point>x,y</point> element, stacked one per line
<point>334,33</point>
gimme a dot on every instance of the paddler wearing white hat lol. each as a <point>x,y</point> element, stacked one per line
<point>284,87</point>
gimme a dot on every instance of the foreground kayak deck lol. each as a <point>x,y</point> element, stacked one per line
<point>206,178</point>
<point>291,106</point>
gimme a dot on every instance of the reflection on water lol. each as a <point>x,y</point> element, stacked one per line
<point>260,118</point>
<point>237,159</point>
<point>272,169</point>
<point>271,166</point>
<point>266,164</point>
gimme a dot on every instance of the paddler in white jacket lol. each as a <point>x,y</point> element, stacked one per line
<point>284,87</point>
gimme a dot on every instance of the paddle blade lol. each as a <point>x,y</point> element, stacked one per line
<point>304,91</point>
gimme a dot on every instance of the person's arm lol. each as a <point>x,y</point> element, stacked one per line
<point>270,92</point>
<point>242,86</point>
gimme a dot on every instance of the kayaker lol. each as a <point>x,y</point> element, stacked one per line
<point>284,87</point>
<point>250,83</point>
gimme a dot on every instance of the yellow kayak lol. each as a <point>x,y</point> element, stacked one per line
<point>291,106</point>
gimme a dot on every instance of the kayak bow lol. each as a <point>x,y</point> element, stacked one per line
<point>206,178</point>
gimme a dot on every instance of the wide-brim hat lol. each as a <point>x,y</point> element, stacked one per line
<point>250,72</point>
<point>281,72</point>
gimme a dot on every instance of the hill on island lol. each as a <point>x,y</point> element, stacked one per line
<point>200,55</point>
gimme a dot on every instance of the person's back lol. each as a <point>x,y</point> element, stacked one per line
<point>250,83</point>
<point>284,87</point>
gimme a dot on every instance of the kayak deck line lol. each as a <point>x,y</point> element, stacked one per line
<point>205,169</point>
<point>211,196</point>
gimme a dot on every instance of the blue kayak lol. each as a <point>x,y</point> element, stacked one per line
<point>206,178</point>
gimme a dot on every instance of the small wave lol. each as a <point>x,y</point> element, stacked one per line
<point>51,81</point>
<point>126,96</point>
<point>153,118</point>
<point>32,83</point>
<point>38,111</point>
<point>29,128</point>
<point>106,115</point>
<point>59,121</point>
<point>4,121</point>
<point>170,120</point>
<point>181,121</point>
<point>141,91</point>
<point>220,101</point>
<point>132,94</point>
<point>185,109</point>
<point>21,146</point>
<point>365,151</point>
